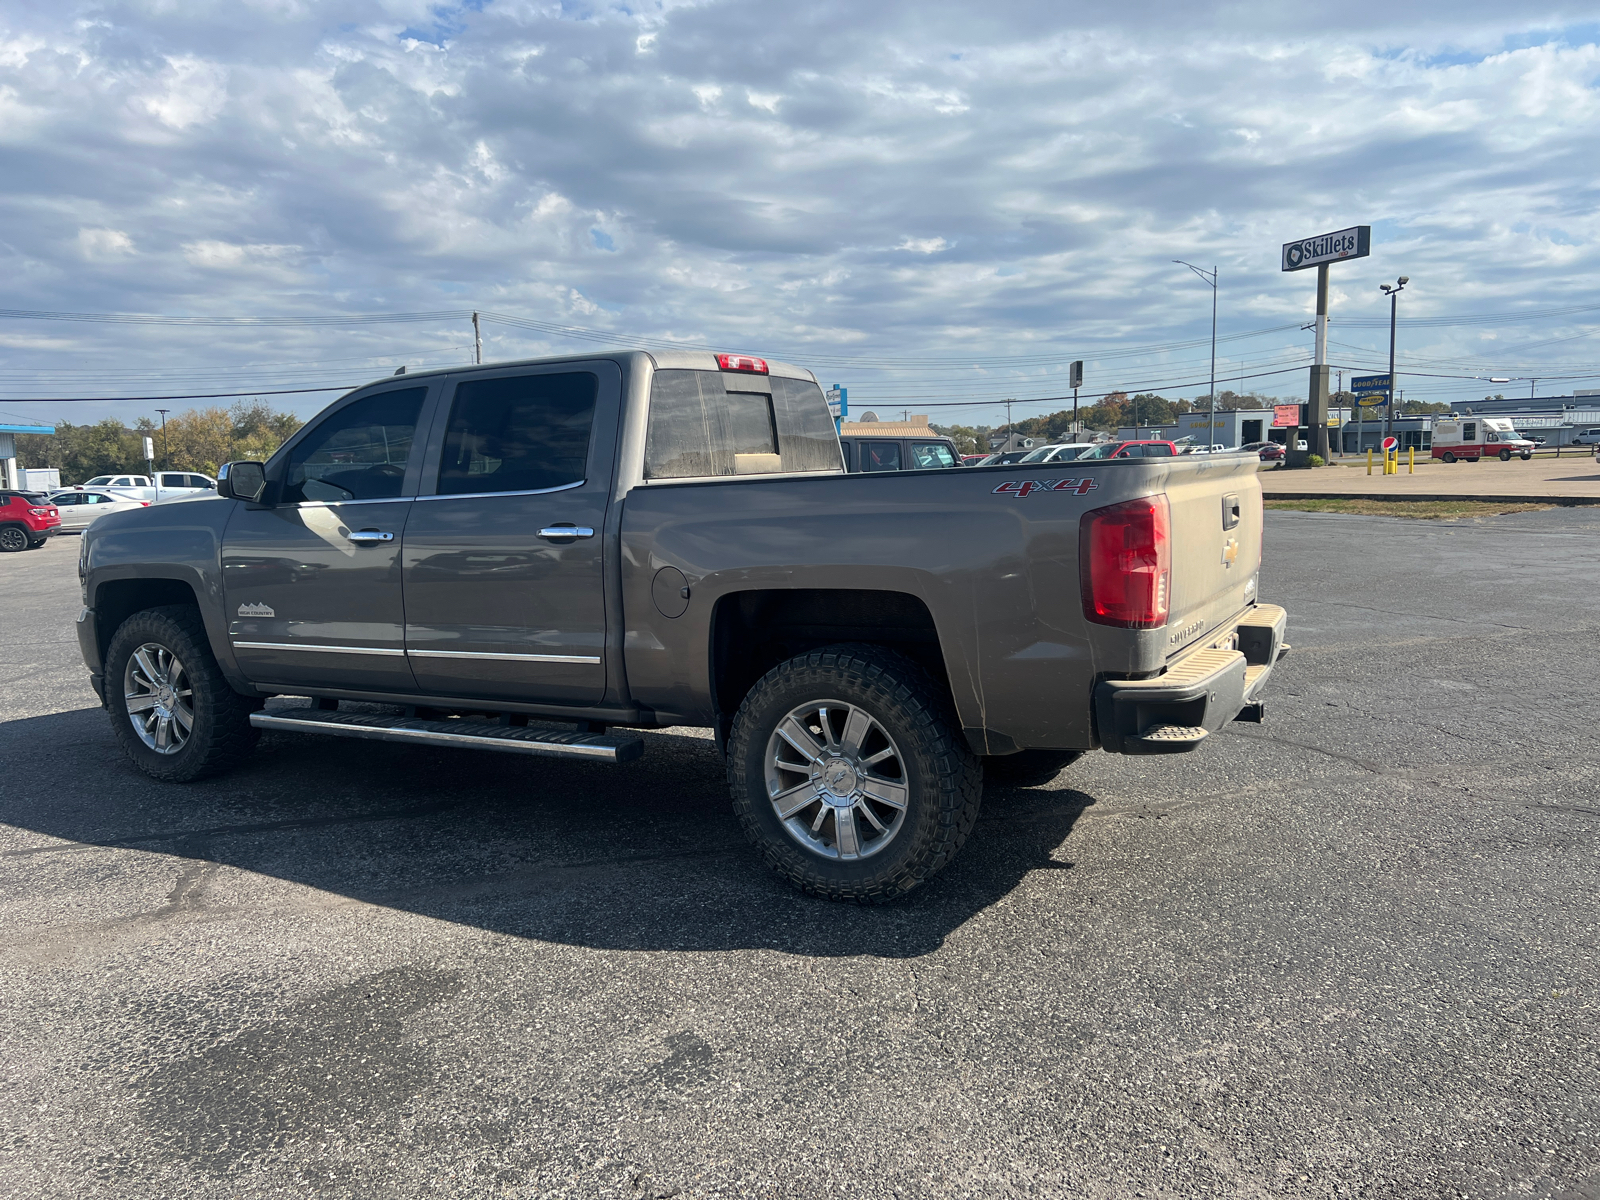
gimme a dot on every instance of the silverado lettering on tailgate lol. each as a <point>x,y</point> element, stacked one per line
<point>1026,487</point>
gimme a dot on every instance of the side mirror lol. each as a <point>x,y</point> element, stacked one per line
<point>242,480</point>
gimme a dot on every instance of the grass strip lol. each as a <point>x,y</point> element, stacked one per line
<point>1432,510</point>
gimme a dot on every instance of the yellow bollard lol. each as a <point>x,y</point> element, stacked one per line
<point>1369,460</point>
<point>1411,468</point>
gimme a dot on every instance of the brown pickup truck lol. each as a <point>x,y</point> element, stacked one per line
<point>544,557</point>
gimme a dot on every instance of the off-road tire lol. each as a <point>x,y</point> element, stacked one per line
<point>943,776</point>
<point>12,539</point>
<point>222,735</point>
<point>1029,768</point>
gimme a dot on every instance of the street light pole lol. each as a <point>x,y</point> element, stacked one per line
<point>1394,302</point>
<point>1211,415</point>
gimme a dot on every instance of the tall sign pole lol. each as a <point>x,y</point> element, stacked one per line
<point>1320,252</point>
<point>1075,376</point>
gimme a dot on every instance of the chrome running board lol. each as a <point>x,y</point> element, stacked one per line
<point>469,734</point>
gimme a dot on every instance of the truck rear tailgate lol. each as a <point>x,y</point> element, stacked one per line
<point>1216,514</point>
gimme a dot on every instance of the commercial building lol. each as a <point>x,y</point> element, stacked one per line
<point>10,475</point>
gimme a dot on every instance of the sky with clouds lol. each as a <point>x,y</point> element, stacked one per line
<point>937,205</point>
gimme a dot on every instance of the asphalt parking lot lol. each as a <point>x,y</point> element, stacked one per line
<point>1351,952</point>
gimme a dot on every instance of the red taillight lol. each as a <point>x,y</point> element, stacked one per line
<point>1125,556</point>
<point>146,503</point>
<point>742,362</point>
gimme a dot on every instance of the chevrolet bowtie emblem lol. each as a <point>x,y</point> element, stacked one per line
<point>1230,552</point>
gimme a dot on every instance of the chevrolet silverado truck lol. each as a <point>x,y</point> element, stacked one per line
<point>546,557</point>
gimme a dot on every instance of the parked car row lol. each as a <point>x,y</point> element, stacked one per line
<point>165,486</point>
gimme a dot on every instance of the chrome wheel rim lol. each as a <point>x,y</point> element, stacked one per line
<point>160,702</point>
<point>836,780</point>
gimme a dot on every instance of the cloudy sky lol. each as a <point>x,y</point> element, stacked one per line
<point>933,204</point>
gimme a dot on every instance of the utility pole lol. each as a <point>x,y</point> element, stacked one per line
<point>1010,432</point>
<point>166,459</point>
<point>477,340</point>
<point>1211,414</point>
<point>1393,292</point>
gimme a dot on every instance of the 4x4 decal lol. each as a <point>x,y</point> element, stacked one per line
<point>1026,487</point>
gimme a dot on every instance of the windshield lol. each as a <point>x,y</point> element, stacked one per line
<point>1103,450</point>
<point>1068,453</point>
<point>1039,455</point>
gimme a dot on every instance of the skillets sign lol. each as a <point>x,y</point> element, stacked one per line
<point>1355,242</point>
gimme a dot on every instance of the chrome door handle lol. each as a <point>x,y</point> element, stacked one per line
<point>369,537</point>
<point>566,533</point>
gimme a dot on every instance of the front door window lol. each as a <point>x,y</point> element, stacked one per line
<point>359,453</point>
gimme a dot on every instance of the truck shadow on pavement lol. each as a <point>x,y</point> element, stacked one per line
<point>641,857</point>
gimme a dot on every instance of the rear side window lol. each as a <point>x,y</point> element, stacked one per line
<point>932,454</point>
<point>524,433</point>
<point>880,456</point>
<point>700,428</point>
<point>806,434</point>
<point>358,452</point>
<point>1156,450</point>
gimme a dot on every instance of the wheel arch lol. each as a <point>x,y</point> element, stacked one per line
<point>754,630</point>
<point>114,599</point>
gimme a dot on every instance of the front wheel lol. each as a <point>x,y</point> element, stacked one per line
<point>171,709</point>
<point>1527,454</point>
<point>850,774</point>
<point>1449,458</point>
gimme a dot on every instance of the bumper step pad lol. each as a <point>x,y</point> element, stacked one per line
<point>476,735</point>
<point>1174,712</point>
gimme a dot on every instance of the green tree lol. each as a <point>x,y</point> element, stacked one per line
<point>200,439</point>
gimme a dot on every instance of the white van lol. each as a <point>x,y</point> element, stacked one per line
<point>1472,438</point>
<point>1586,437</point>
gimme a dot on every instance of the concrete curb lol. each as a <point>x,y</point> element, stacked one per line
<point>1566,501</point>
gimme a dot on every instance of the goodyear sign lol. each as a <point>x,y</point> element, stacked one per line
<point>1355,242</point>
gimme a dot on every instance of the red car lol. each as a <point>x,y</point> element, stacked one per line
<point>25,522</point>
<point>1269,451</point>
<point>1129,450</point>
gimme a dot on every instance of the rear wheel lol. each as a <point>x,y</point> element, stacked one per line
<point>850,774</point>
<point>1505,456</point>
<point>1448,457</point>
<point>171,709</point>
<point>1030,768</point>
<point>13,538</point>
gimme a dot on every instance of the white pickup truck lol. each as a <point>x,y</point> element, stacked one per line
<point>166,486</point>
